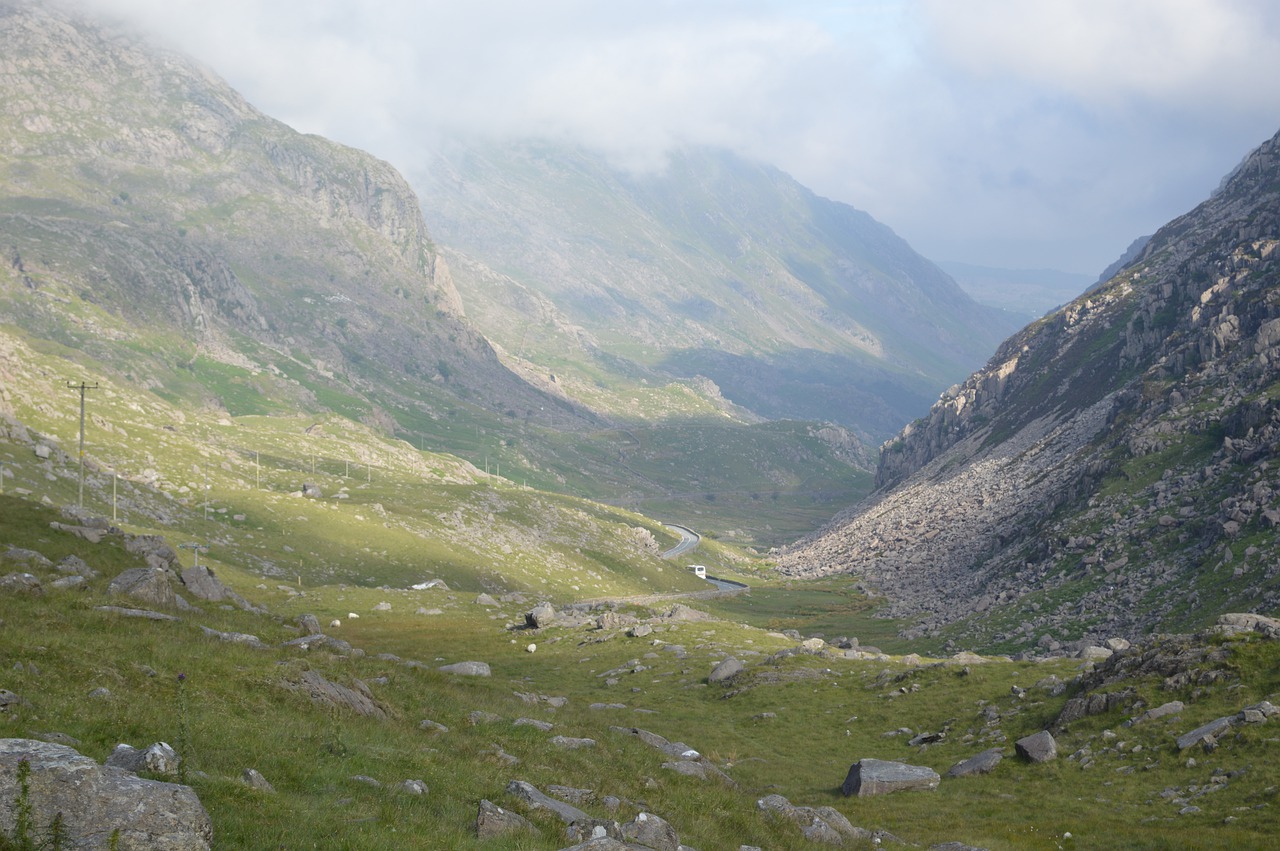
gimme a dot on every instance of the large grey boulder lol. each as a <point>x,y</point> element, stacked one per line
<point>203,585</point>
<point>726,670</point>
<point>977,764</point>
<point>881,777</point>
<point>540,616</point>
<point>150,585</point>
<point>1038,747</point>
<point>98,802</point>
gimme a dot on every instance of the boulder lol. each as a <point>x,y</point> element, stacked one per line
<point>96,802</point>
<point>1207,732</point>
<point>615,620</point>
<point>203,585</point>
<point>881,777</point>
<point>20,582</point>
<point>467,669</point>
<point>1038,747</point>
<point>652,832</point>
<point>540,616</point>
<point>492,820</point>
<point>726,670</point>
<point>158,758</point>
<point>412,787</point>
<point>682,613</point>
<point>977,764</point>
<point>149,585</point>
<point>536,800</point>
<point>76,566</point>
<point>1237,622</point>
<point>1173,707</point>
<point>357,699</point>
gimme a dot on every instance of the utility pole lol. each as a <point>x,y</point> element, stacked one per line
<point>82,387</point>
<point>196,548</point>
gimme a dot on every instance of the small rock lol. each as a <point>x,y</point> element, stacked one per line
<point>492,820</point>
<point>467,669</point>
<point>571,743</point>
<point>412,787</point>
<point>254,780</point>
<point>978,764</point>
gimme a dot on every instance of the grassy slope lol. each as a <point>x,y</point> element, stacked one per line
<point>232,713</point>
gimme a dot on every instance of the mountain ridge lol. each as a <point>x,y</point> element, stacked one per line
<point>1100,474</point>
<point>724,269</point>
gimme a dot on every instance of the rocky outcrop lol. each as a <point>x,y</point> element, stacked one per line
<point>98,807</point>
<point>1117,445</point>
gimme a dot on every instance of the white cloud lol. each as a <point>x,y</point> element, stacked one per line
<point>1043,133</point>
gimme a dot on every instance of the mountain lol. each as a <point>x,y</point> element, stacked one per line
<point>138,184</point>
<point>1108,472</point>
<point>1027,293</point>
<point>792,305</point>
<point>166,240</point>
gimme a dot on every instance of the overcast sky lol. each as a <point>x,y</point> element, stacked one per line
<point>1015,133</point>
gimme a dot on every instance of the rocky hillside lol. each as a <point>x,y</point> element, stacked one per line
<point>794,306</point>
<point>140,186</point>
<point>1110,470</point>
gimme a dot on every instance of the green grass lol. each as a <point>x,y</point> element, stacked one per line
<point>826,713</point>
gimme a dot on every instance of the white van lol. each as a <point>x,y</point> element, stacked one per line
<point>700,571</point>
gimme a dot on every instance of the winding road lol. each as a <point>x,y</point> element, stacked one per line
<point>689,539</point>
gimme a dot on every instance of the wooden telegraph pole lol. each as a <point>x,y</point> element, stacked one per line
<point>82,387</point>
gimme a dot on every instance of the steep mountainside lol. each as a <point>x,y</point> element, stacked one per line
<point>1111,469</point>
<point>159,233</point>
<point>137,184</point>
<point>793,305</point>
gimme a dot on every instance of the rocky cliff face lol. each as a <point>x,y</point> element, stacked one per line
<point>138,182</point>
<point>1109,469</point>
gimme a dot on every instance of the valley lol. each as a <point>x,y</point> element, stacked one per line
<point>373,513</point>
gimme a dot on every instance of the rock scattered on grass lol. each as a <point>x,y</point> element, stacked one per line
<point>881,777</point>
<point>467,669</point>
<point>1038,747</point>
